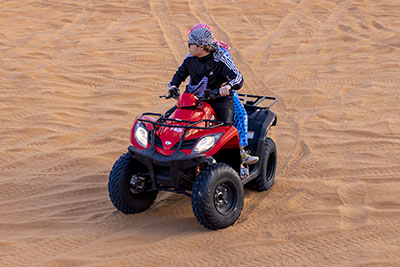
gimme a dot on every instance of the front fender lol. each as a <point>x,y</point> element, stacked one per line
<point>230,139</point>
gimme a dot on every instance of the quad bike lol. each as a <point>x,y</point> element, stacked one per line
<point>189,152</point>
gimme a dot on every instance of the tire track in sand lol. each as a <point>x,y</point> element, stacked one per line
<point>306,51</point>
<point>169,30</point>
<point>353,212</point>
<point>36,44</point>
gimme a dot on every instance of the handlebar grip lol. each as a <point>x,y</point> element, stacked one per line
<point>214,93</point>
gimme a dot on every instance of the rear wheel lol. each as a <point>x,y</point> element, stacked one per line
<point>120,190</point>
<point>217,196</point>
<point>268,168</point>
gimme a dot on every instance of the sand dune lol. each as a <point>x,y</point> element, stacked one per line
<point>74,75</point>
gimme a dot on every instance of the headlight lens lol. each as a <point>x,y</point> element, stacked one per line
<point>206,143</point>
<point>141,134</point>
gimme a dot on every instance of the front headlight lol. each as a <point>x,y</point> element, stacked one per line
<point>206,143</point>
<point>141,134</point>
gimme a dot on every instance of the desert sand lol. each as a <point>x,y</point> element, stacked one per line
<point>75,74</point>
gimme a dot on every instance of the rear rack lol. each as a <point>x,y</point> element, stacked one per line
<point>258,99</point>
<point>159,122</point>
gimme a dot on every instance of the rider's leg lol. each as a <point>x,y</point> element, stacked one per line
<point>240,122</point>
<point>224,111</point>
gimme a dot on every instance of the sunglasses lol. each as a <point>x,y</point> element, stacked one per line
<point>189,44</point>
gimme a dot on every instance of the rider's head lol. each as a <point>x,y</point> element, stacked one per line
<point>204,25</point>
<point>201,41</point>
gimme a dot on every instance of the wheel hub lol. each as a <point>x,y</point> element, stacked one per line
<point>137,183</point>
<point>223,198</point>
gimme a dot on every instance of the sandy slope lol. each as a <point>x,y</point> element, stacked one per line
<point>74,74</point>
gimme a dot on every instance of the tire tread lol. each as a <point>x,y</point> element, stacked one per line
<point>119,191</point>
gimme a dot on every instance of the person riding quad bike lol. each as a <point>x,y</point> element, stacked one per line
<point>195,149</point>
<point>192,153</point>
<point>210,65</point>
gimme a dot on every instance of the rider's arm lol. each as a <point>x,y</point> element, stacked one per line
<point>180,75</point>
<point>235,78</point>
<point>235,83</point>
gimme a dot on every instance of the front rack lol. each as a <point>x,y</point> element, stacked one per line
<point>212,124</point>
<point>159,122</point>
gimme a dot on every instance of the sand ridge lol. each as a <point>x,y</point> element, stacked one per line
<point>74,75</point>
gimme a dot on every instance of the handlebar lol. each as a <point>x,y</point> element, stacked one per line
<point>214,94</point>
<point>172,94</point>
<point>208,95</point>
<point>165,96</point>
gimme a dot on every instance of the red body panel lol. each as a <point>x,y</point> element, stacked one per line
<point>187,100</point>
<point>187,111</point>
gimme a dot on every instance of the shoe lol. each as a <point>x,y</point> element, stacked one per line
<point>247,158</point>
<point>244,172</point>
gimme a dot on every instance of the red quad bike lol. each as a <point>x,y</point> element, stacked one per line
<point>190,152</point>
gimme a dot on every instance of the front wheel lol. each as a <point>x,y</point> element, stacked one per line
<point>268,168</point>
<point>119,186</point>
<point>217,196</point>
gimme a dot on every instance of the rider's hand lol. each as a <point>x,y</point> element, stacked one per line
<point>173,91</point>
<point>224,90</point>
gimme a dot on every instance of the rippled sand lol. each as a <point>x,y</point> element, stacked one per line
<point>74,75</point>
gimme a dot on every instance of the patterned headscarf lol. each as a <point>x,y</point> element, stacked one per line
<point>203,36</point>
<point>206,26</point>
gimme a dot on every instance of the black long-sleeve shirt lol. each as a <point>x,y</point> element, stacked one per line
<point>219,70</point>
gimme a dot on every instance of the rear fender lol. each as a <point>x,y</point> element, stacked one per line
<point>260,123</point>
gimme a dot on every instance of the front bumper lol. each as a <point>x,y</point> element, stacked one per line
<point>166,171</point>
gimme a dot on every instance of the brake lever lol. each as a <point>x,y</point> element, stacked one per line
<point>169,96</point>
